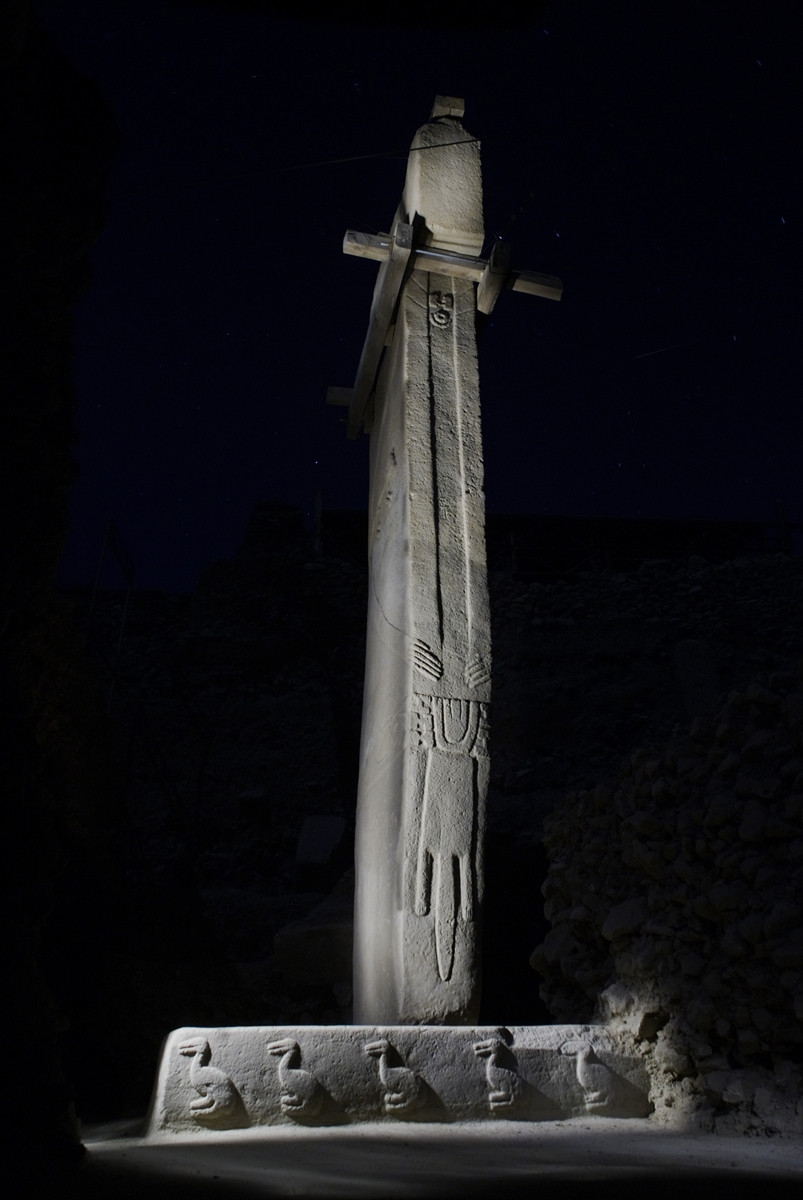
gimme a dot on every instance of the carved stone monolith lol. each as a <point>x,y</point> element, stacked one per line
<point>424,754</point>
<point>415,1052</point>
<point>424,751</point>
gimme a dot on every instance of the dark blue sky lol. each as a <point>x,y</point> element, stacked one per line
<point>649,155</point>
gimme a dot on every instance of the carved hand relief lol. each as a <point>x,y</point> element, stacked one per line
<point>218,1105</point>
<point>449,735</point>
<point>503,1081</point>
<point>477,673</point>
<point>302,1096</point>
<point>444,884</point>
<point>426,660</point>
<point>441,305</point>
<point>405,1090</point>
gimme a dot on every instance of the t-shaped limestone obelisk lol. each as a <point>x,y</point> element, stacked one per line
<point>424,751</point>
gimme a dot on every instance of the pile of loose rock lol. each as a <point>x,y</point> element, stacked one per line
<point>676,901</point>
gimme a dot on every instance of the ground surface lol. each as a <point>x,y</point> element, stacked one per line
<point>611,1157</point>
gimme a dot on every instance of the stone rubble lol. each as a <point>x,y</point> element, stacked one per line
<point>675,895</point>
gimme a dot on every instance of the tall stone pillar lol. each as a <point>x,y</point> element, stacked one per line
<point>424,756</point>
<point>424,753</point>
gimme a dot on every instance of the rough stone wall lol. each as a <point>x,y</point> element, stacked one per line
<point>675,895</point>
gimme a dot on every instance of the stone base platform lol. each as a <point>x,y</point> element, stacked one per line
<point>248,1077</point>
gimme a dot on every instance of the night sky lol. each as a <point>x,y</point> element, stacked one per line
<point>649,154</point>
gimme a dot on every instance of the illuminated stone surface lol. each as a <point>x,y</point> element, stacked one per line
<point>424,756</point>
<point>239,1078</point>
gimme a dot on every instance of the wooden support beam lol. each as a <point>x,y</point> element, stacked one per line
<point>386,294</point>
<point>366,245</point>
<point>396,252</point>
<point>536,284</point>
<point>493,278</point>
<point>448,262</point>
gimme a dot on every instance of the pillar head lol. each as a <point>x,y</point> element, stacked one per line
<point>448,106</point>
<point>443,187</point>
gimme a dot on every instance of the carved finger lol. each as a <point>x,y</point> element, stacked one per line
<point>466,898</point>
<point>445,913</point>
<point>423,883</point>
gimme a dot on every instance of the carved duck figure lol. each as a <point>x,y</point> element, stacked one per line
<point>302,1095</point>
<point>218,1099</point>
<point>593,1076</point>
<point>504,1085</point>
<point>404,1088</point>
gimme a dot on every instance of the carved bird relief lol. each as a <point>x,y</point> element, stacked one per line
<point>218,1099</point>
<point>504,1084</point>
<point>404,1088</point>
<point>593,1076</point>
<point>302,1095</point>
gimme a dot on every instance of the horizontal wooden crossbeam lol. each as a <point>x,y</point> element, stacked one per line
<point>448,262</point>
<point>398,253</point>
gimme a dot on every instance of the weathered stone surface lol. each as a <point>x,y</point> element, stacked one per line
<point>424,758</point>
<point>235,1078</point>
<point>444,185</point>
<point>718,954</point>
